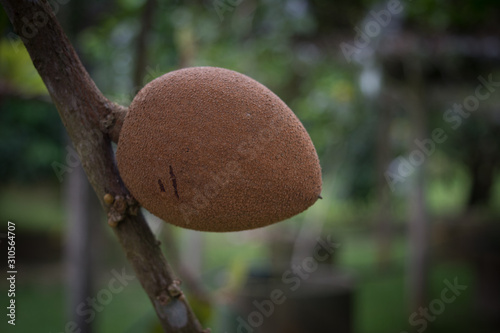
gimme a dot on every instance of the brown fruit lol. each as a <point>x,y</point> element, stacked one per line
<point>210,149</point>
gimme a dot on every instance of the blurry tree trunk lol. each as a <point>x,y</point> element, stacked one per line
<point>370,83</point>
<point>384,218</point>
<point>141,54</point>
<point>78,259</point>
<point>418,220</point>
<point>92,122</point>
<point>185,42</point>
<point>482,169</point>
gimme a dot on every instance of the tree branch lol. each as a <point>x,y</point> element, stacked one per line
<point>86,114</point>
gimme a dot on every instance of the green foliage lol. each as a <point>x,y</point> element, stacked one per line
<point>31,138</point>
<point>459,16</point>
<point>16,68</point>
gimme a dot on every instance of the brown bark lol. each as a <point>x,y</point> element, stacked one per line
<point>87,116</point>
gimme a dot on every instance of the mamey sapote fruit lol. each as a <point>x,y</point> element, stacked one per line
<point>210,149</point>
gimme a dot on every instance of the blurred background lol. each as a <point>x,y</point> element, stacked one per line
<point>401,99</point>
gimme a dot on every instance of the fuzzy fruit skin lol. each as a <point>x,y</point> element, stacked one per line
<point>211,149</point>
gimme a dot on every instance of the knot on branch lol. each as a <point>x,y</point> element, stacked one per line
<point>119,207</point>
<point>173,292</point>
<point>163,298</point>
<point>174,289</point>
<point>112,120</point>
<point>107,122</point>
